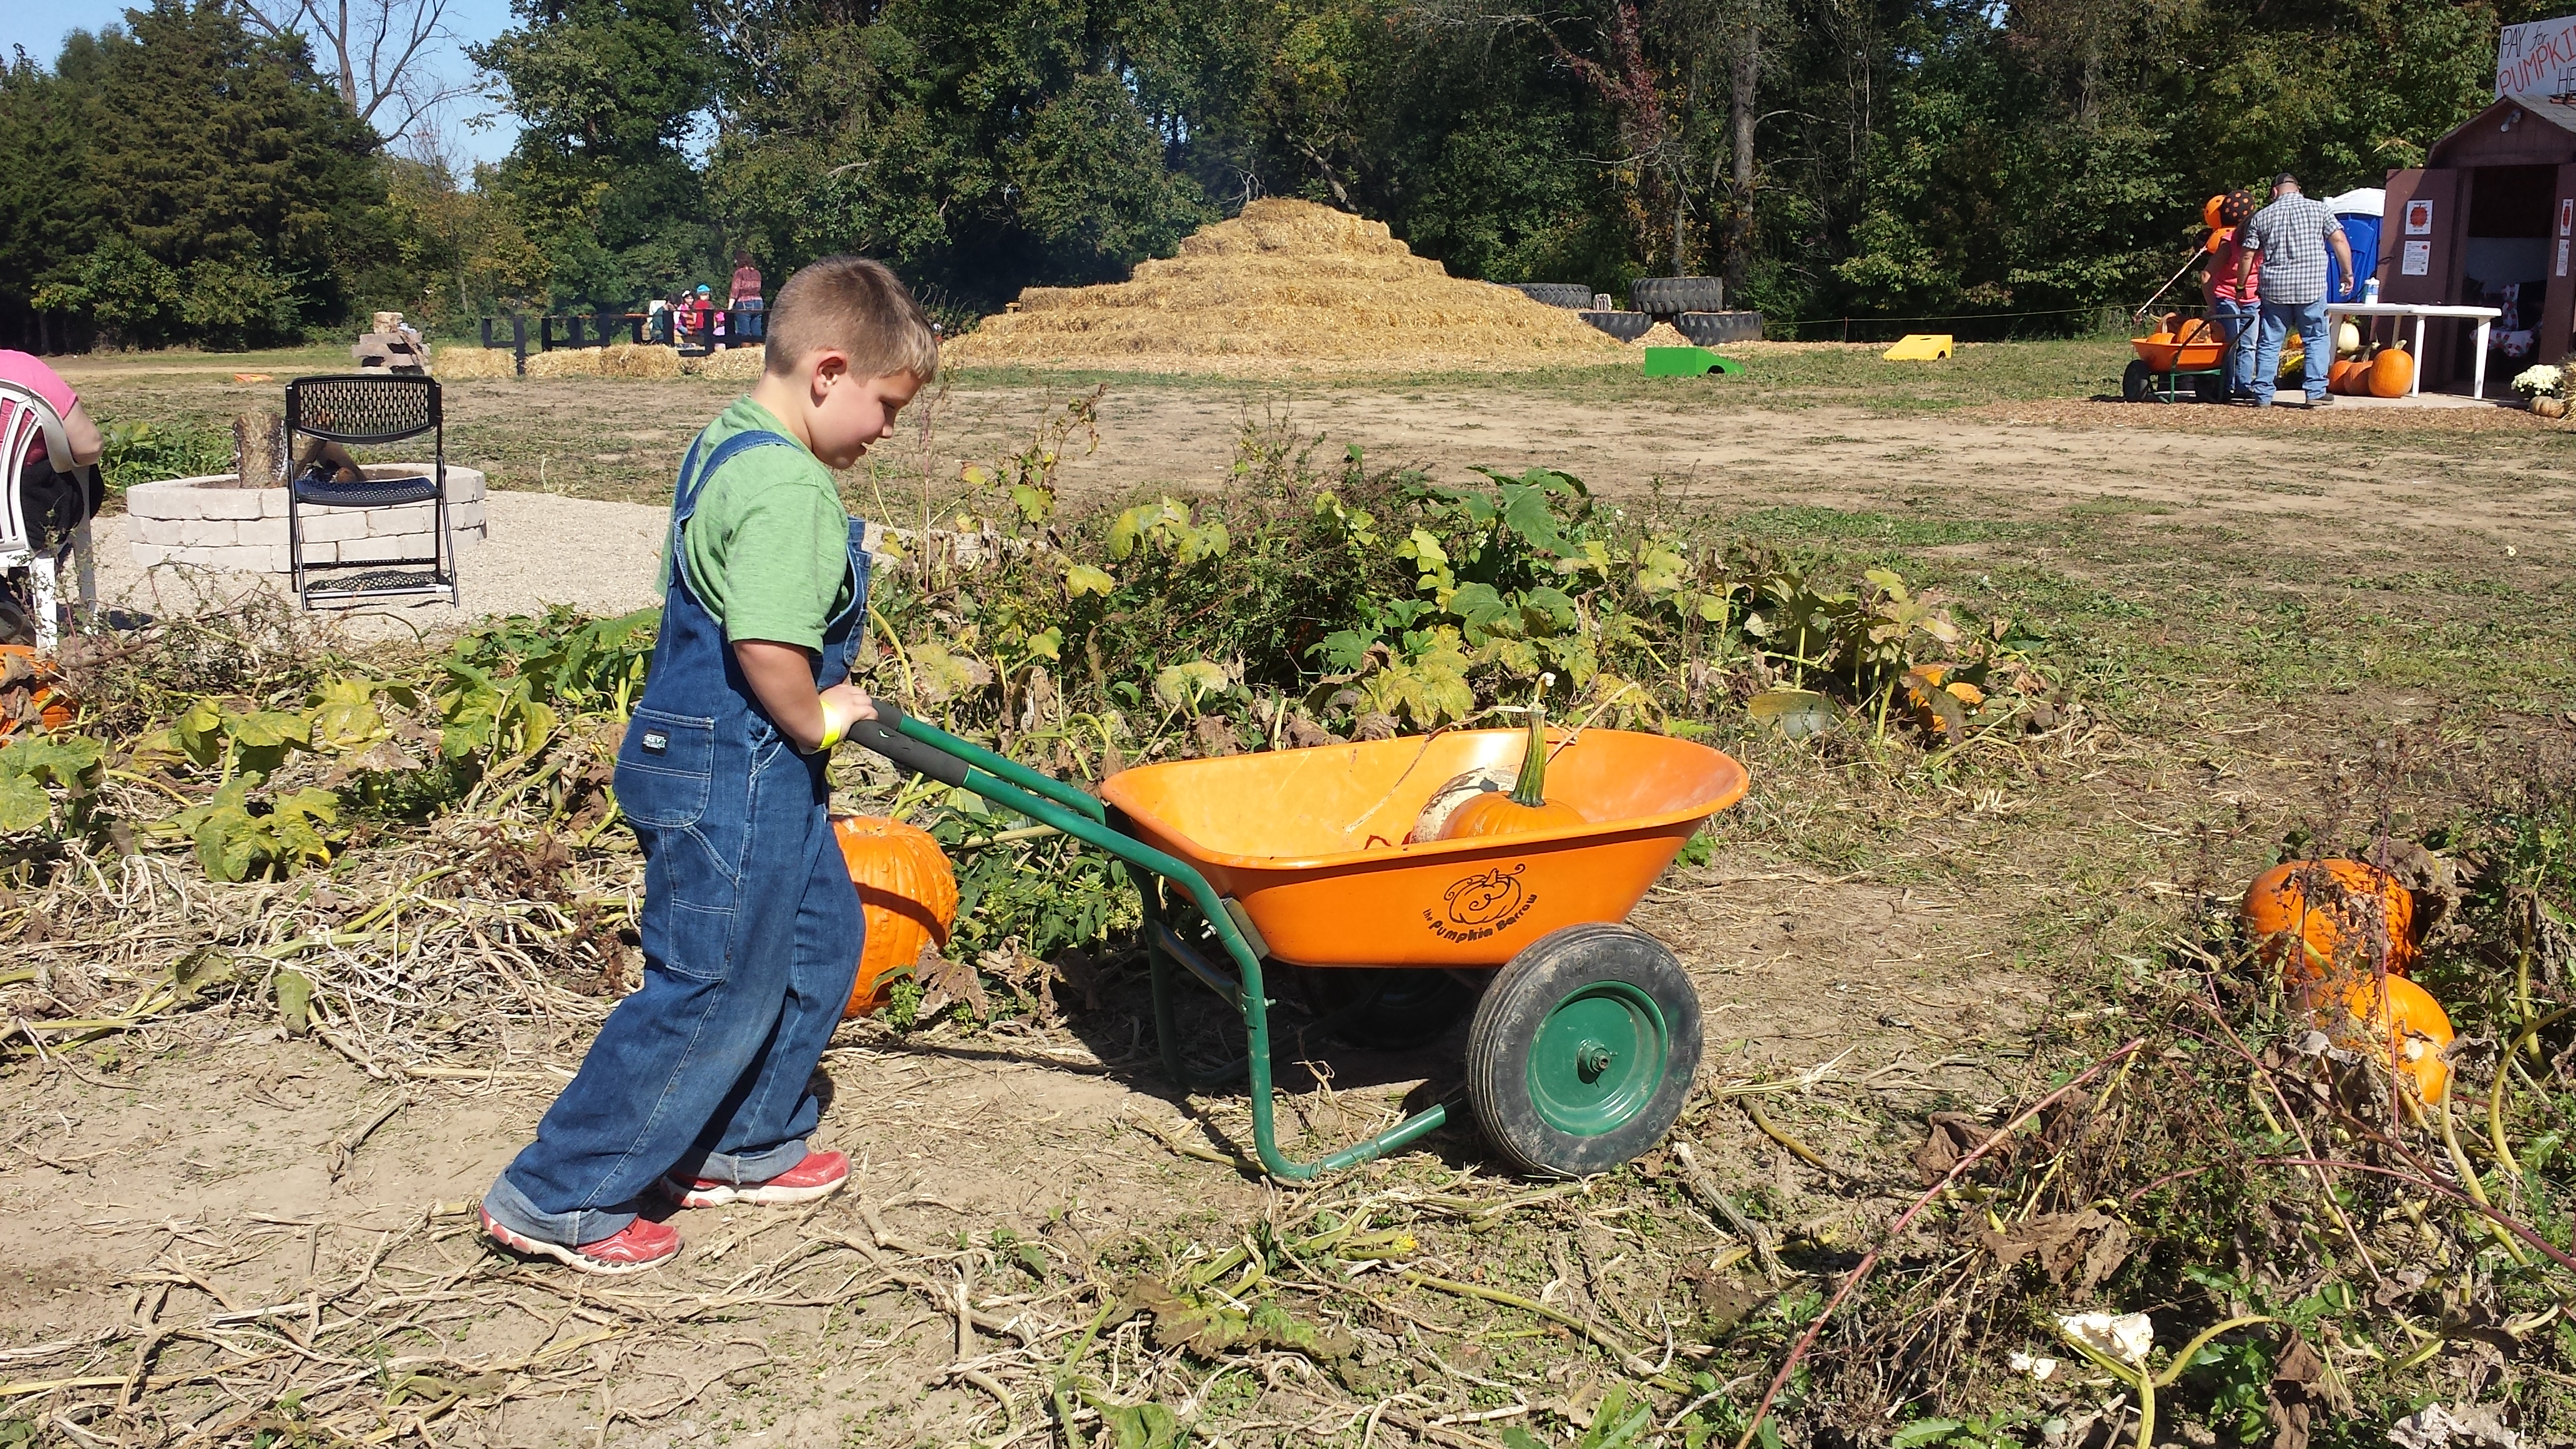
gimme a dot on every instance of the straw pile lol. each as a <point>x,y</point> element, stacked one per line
<point>617,359</point>
<point>734,364</point>
<point>456,362</point>
<point>1286,287</point>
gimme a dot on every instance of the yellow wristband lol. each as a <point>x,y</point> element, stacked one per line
<point>834,728</point>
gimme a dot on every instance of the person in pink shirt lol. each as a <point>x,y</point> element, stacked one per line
<point>55,495</point>
<point>2235,303</point>
<point>749,320</point>
<point>29,371</point>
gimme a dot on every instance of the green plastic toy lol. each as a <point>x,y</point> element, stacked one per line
<point>1689,362</point>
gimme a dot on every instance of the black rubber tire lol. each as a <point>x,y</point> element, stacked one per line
<point>1664,296</point>
<point>2138,384</point>
<point>1553,971</point>
<point>1626,326</point>
<point>1717,329</point>
<point>1397,1007</point>
<point>1556,294</point>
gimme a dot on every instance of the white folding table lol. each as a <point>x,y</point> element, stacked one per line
<point>2483,316</point>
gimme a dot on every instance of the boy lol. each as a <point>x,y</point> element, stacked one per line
<point>696,1085</point>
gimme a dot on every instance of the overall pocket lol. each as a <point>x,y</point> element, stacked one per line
<point>664,769</point>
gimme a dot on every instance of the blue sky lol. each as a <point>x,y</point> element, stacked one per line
<point>40,25</point>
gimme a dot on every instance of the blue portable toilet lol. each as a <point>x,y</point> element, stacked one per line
<point>2360,212</point>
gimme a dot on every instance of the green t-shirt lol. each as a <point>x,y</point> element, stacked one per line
<point>768,547</point>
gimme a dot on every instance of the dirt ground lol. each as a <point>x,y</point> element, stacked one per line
<point>2210,583</point>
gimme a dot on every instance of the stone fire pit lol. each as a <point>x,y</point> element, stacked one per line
<point>214,522</point>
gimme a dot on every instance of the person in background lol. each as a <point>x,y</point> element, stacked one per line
<point>30,372</point>
<point>702,315</point>
<point>55,495</point>
<point>745,304</point>
<point>2235,311</point>
<point>2288,240</point>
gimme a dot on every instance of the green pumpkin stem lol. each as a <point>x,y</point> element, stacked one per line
<point>1531,788</point>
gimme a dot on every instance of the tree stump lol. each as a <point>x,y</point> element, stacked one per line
<point>259,450</point>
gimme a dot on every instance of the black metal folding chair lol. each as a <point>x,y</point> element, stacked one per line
<point>378,560</point>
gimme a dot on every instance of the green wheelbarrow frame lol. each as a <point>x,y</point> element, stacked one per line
<point>932,752</point>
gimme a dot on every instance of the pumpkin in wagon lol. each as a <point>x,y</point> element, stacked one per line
<point>907,897</point>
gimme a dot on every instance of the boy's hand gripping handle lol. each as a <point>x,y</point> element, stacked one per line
<point>885,736</point>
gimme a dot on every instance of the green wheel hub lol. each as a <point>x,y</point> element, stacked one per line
<point>1598,1058</point>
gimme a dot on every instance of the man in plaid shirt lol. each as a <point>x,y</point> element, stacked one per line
<point>2290,238</point>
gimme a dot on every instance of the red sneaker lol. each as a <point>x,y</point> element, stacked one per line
<point>633,1248</point>
<point>818,1176</point>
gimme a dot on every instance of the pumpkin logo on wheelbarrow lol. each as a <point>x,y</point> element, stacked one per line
<point>1481,905</point>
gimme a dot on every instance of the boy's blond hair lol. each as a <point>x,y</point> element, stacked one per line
<point>859,306</point>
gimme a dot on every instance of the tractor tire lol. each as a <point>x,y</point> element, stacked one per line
<point>1665,296</point>
<point>1556,294</point>
<point>1626,326</point>
<point>1717,329</point>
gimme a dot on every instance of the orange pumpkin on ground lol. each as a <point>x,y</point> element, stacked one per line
<point>1523,809</point>
<point>2406,1029</point>
<point>2349,375</point>
<point>907,895</point>
<point>2391,372</point>
<point>2311,919</point>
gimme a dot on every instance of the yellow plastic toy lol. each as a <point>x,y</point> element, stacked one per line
<point>1920,347</point>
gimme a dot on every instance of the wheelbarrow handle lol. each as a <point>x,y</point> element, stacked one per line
<point>884,734</point>
<point>925,749</point>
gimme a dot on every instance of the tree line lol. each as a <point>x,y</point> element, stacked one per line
<point>212,172</point>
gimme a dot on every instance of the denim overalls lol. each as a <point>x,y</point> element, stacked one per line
<point>751,932</point>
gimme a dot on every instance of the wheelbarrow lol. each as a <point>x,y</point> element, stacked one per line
<point>2184,364</point>
<point>1586,1031</point>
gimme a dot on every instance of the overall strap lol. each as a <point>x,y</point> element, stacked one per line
<point>684,497</point>
<point>693,478</point>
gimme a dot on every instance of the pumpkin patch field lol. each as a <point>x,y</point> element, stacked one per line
<point>2137,995</point>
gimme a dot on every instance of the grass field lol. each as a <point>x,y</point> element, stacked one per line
<point>2265,637</point>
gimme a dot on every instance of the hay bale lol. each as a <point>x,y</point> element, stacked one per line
<point>565,362</point>
<point>734,364</point>
<point>649,361</point>
<point>455,363</point>
<point>1287,287</point>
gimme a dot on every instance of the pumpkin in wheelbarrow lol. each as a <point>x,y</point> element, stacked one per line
<point>1525,806</point>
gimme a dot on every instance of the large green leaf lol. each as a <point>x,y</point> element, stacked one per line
<point>24,805</point>
<point>53,759</point>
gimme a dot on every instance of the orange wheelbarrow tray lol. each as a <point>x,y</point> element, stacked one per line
<point>2186,364</point>
<point>1586,1038</point>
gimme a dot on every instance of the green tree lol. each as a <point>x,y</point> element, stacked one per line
<point>49,210</point>
<point>238,196</point>
<point>979,145</point>
<point>607,91</point>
